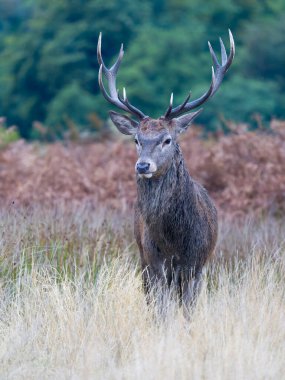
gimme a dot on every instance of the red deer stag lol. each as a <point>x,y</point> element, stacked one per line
<point>175,220</point>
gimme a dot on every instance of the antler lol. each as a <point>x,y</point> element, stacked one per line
<point>218,72</point>
<point>110,75</point>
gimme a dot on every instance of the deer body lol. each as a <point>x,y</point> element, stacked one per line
<point>175,229</point>
<point>175,219</point>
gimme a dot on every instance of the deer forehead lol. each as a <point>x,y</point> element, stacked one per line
<point>154,129</point>
<point>148,124</point>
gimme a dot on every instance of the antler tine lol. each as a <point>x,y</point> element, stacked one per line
<point>213,55</point>
<point>114,69</point>
<point>131,108</point>
<point>223,52</point>
<point>185,106</point>
<point>226,62</point>
<point>169,109</point>
<point>218,72</point>
<point>232,50</point>
<point>117,64</point>
<point>110,75</point>
<point>113,100</point>
<point>99,52</point>
<point>185,102</point>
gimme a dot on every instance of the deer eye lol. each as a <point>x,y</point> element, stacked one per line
<point>136,142</point>
<point>167,142</point>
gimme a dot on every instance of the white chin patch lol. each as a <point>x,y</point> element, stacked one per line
<point>147,175</point>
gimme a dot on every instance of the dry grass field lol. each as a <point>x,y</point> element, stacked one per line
<point>72,306</point>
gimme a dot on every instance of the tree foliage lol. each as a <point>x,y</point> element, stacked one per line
<point>48,64</point>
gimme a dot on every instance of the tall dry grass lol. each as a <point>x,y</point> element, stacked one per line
<point>72,306</point>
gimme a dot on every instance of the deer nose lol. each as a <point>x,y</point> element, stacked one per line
<point>142,167</point>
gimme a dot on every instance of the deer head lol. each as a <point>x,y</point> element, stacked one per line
<point>156,139</point>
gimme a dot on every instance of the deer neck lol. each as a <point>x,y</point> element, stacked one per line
<point>155,196</point>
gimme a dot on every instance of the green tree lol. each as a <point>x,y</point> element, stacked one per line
<point>54,46</point>
<point>48,63</point>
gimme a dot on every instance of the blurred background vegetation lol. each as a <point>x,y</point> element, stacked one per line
<point>48,64</point>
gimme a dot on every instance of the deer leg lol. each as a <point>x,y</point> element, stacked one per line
<point>158,288</point>
<point>197,286</point>
<point>191,287</point>
<point>177,283</point>
<point>148,278</point>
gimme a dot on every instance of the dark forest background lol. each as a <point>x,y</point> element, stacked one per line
<point>48,64</point>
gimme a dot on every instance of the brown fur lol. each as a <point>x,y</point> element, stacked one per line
<point>175,224</point>
<point>175,220</point>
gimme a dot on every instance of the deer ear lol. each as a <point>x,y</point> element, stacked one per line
<point>124,124</point>
<point>183,122</point>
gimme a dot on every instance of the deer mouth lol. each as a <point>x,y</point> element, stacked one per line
<point>146,175</point>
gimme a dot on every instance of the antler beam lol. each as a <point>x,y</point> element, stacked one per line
<point>218,72</point>
<point>111,75</point>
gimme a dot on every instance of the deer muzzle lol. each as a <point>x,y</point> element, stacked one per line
<point>146,168</point>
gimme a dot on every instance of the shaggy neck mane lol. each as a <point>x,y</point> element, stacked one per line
<point>155,196</point>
